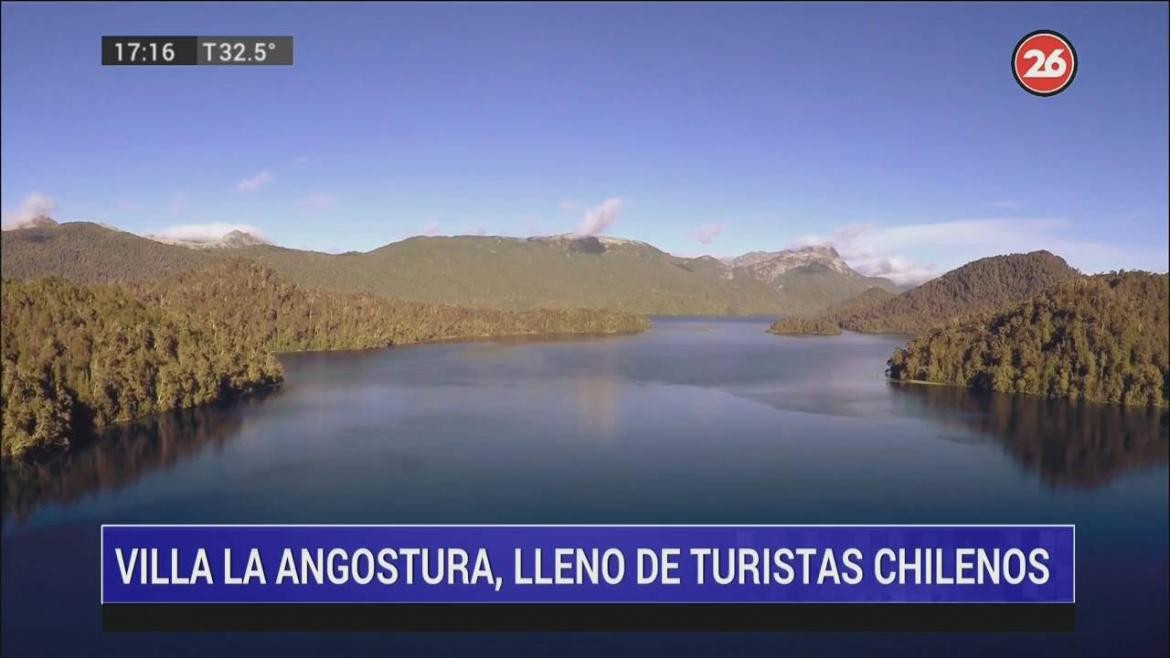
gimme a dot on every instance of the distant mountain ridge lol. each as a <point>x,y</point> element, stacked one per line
<point>562,271</point>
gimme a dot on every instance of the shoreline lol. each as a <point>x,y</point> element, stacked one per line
<point>1039,396</point>
<point>47,454</point>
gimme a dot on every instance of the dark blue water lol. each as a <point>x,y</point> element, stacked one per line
<point>695,421</point>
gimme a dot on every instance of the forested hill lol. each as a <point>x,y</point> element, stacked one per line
<point>87,253</point>
<point>1103,338</point>
<point>77,358</point>
<point>982,285</point>
<point>475,271</point>
<point>253,304</point>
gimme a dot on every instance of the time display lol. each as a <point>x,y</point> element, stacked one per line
<point>149,51</point>
<point>192,51</point>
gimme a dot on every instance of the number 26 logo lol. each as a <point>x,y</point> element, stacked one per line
<point>1044,63</point>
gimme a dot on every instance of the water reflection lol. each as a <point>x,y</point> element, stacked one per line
<point>597,399</point>
<point>120,456</point>
<point>1066,444</point>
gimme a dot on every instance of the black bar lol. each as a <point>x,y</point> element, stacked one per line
<point>166,51</point>
<point>904,617</point>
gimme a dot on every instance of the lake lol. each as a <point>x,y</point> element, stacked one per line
<point>695,421</point>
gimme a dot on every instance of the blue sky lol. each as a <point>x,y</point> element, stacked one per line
<point>895,130</point>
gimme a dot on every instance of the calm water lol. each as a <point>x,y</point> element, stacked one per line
<point>694,421</point>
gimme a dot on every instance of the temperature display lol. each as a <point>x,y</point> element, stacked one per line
<point>245,50</point>
<point>190,51</point>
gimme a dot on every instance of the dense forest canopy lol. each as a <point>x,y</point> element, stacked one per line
<point>254,304</point>
<point>78,357</point>
<point>1103,338</point>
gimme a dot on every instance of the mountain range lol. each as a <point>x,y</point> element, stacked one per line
<point>477,271</point>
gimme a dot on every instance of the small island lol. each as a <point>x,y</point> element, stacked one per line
<point>805,326</point>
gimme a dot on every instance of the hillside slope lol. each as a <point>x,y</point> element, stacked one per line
<point>828,322</point>
<point>87,253</point>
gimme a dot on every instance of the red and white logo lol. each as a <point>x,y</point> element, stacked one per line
<point>1044,63</point>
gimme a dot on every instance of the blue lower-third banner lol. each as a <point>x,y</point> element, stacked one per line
<point>586,564</point>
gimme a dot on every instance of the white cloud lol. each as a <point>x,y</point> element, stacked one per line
<point>599,219</point>
<point>34,205</point>
<point>899,269</point>
<point>209,232</point>
<point>256,182</point>
<point>912,253</point>
<point>430,228</point>
<point>320,201</point>
<point>706,233</point>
